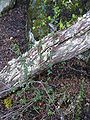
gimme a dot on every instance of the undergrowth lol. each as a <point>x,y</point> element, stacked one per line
<point>38,96</point>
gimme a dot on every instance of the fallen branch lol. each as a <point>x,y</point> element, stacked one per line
<point>53,48</point>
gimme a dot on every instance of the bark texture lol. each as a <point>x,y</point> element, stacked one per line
<point>55,47</point>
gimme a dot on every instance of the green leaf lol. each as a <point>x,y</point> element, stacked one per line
<point>50,112</point>
<point>23,101</point>
<point>61,25</point>
<point>49,17</point>
<point>74,16</point>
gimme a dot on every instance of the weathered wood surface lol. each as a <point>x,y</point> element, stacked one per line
<point>61,46</point>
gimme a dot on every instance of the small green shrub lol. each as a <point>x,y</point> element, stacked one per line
<point>79,101</point>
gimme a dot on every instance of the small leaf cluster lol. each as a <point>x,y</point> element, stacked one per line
<point>60,13</point>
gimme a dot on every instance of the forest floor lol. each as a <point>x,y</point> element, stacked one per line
<point>64,80</point>
<point>63,85</point>
<point>12,30</point>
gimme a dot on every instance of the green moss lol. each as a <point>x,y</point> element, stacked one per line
<point>37,19</point>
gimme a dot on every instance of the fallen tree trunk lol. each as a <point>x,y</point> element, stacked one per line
<point>55,47</point>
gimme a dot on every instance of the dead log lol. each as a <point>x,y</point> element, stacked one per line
<point>53,48</point>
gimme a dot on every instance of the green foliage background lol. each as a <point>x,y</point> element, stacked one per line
<point>60,13</point>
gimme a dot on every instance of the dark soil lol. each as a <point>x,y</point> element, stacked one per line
<point>12,30</point>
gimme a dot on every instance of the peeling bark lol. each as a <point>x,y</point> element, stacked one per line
<point>53,48</point>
